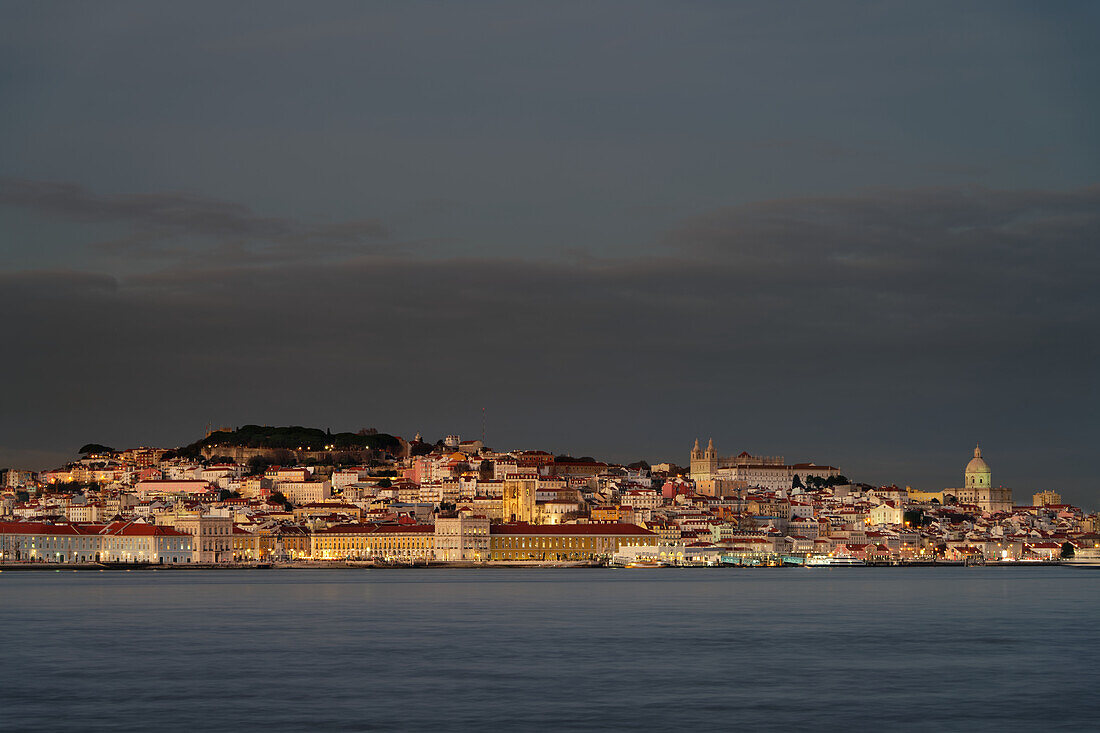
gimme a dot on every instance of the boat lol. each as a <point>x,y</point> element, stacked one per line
<point>833,561</point>
<point>640,564</point>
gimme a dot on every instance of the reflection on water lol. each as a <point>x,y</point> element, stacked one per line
<point>976,649</point>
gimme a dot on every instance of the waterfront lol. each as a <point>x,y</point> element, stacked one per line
<point>498,649</point>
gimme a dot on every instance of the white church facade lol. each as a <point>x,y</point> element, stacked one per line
<point>719,476</point>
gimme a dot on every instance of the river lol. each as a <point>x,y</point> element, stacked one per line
<point>853,649</point>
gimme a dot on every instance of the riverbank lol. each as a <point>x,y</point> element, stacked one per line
<point>295,565</point>
<point>365,565</point>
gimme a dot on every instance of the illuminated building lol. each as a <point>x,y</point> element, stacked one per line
<point>404,542</point>
<point>719,476</point>
<point>462,537</point>
<point>125,542</point>
<point>563,542</point>
<point>1046,498</point>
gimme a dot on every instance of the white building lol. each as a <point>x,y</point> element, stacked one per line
<point>129,542</point>
<point>462,537</point>
<point>748,471</point>
<point>211,535</point>
<point>304,492</point>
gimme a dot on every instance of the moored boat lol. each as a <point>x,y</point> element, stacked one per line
<point>833,561</point>
<point>641,564</point>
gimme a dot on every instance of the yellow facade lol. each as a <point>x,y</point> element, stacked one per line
<point>359,542</point>
<point>1046,498</point>
<point>519,499</point>
<point>523,544</point>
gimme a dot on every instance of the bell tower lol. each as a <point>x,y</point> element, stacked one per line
<point>704,463</point>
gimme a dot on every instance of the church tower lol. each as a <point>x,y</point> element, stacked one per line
<point>704,464</point>
<point>977,474</point>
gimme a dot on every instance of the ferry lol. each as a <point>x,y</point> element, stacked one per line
<point>640,564</point>
<point>833,561</point>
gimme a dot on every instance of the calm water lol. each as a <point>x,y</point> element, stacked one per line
<point>710,650</point>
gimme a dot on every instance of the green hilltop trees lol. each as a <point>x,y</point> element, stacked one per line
<point>293,437</point>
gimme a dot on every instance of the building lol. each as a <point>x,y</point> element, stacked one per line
<point>462,537</point>
<point>170,487</point>
<point>16,479</point>
<point>520,491</point>
<point>305,492</point>
<point>211,535</point>
<point>563,542</point>
<point>888,512</point>
<point>978,487</point>
<point>127,542</point>
<point>745,471</point>
<point>386,542</point>
<point>145,543</point>
<point>1046,498</point>
<point>704,464</point>
<point>320,509</point>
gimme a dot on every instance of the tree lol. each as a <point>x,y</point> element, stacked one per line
<point>95,448</point>
<point>420,449</point>
<point>1067,550</point>
<point>22,495</point>
<point>385,483</point>
<point>796,482</point>
<point>277,497</point>
<point>258,465</point>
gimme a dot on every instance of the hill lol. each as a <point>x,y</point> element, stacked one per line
<point>293,438</point>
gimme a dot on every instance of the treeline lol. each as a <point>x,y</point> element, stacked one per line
<point>817,482</point>
<point>294,437</point>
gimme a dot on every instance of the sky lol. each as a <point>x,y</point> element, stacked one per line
<point>860,234</point>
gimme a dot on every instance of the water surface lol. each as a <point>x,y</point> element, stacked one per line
<point>976,649</point>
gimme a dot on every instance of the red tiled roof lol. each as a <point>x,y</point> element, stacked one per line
<point>145,530</point>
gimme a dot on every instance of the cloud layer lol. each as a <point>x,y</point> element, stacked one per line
<point>884,331</point>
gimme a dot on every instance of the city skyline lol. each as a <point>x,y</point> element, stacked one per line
<point>688,464</point>
<point>859,234</point>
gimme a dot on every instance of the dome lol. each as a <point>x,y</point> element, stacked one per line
<point>977,464</point>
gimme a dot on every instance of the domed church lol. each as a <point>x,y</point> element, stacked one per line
<point>977,471</point>
<point>978,487</point>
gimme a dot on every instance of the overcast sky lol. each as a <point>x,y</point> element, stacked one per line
<point>863,234</point>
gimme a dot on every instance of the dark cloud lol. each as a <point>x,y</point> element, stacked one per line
<point>876,331</point>
<point>181,226</point>
<point>32,284</point>
<point>179,213</point>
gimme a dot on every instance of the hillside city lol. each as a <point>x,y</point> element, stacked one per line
<point>263,496</point>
